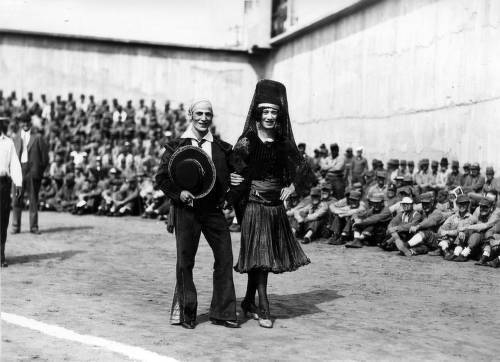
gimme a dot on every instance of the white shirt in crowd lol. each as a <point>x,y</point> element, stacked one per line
<point>78,157</point>
<point>205,146</point>
<point>25,136</point>
<point>9,162</point>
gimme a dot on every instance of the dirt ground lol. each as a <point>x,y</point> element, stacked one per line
<point>114,278</point>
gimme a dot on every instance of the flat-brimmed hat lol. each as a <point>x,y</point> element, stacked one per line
<point>407,200</point>
<point>463,199</point>
<point>427,197</point>
<point>316,191</point>
<point>191,169</point>
<point>354,195</point>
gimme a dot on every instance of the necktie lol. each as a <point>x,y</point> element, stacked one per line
<point>201,142</point>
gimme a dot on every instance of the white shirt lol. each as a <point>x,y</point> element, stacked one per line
<point>205,146</point>
<point>9,162</point>
<point>25,136</point>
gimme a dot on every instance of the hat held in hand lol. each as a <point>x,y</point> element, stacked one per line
<point>191,169</point>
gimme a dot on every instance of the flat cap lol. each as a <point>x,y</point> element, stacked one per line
<point>455,163</point>
<point>393,162</point>
<point>485,202</point>
<point>355,195</point>
<point>406,200</point>
<point>490,170</point>
<point>434,163</point>
<point>474,166</point>
<point>381,174</point>
<point>402,162</point>
<point>411,163</point>
<point>466,165</point>
<point>326,186</point>
<point>463,199</point>
<point>315,191</point>
<point>427,197</point>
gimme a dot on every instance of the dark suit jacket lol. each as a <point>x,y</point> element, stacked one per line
<point>38,155</point>
<point>220,156</point>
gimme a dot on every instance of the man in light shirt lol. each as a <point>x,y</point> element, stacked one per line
<point>10,171</point>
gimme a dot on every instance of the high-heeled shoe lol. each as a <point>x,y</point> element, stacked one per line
<point>249,310</point>
<point>265,320</point>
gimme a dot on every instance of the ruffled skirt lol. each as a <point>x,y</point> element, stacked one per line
<point>267,241</point>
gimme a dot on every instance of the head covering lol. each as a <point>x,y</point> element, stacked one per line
<point>424,161</point>
<point>393,162</point>
<point>407,200</point>
<point>376,197</point>
<point>411,163</point>
<point>466,165</point>
<point>326,187</point>
<point>199,103</point>
<point>355,195</point>
<point>404,190</point>
<point>463,199</point>
<point>191,169</point>
<point>408,178</point>
<point>269,91</point>
<point>359,148</point>
<point>474,166</point>
<point>427,197</point>
<point>490,170</point>
<point>444,161</point>
<point>381,174</point>
<point>315,191</point>
<point>485,202</point>
<point>392,187</point>
<point>434,163</point>
<point>357,185</point>
<point>402,162</point>
<point>348,150</point>
<point>455,163</point>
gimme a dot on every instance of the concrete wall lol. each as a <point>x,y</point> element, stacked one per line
<point>58,66</point>
<point>409,79</point>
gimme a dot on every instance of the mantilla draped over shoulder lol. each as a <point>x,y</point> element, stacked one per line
<point>257,160</point>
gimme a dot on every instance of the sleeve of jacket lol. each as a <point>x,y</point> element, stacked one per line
<point>434,219</point>
<point>492,220</point>
<point>239,163</point>
<point>163,178</point>
<point>384,216</point>
<point>320,212</point>
<point>477,186</point>
<point>44,152</point>
<point>417,218</point>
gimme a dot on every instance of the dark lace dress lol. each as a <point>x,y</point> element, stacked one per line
<point>267,241</point>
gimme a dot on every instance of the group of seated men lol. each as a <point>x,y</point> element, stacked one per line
<point>457,220</point>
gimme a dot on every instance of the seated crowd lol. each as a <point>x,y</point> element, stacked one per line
<point>103,158</point>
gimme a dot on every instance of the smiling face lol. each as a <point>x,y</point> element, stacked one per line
<point>202,117</point>
<point>269,118</point>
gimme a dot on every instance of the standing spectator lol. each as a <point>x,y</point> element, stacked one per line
<point>10,171</point>
<point>335,166</point>
<point>454,176</point>
<point>359,166</point>
<point>442,175</point>
<point>33,153</point>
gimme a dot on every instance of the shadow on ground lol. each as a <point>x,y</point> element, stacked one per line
<point>65,228</point>
<point>62,255</point>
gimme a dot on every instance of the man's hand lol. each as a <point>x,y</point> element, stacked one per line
<point>443,232</point>
<point>236,179</point>
<point>18,192</point>
<point>186,197</point>
<point>414,229</point>
<point>286,192</point>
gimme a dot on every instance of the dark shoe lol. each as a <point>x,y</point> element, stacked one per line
<point>401,245</point>
<point>35,231</point>
<point>449,256</point>
<point>249,310</point>
<point>483,261</point>
<point>436,252</point>
<point>189,325</point>
<point>336,241</point>
<point>461,258</point>
<point>495,263</point>
<point>15,231</point>
<point>306,240</point>
<point>227,324</point>
<point>356,244</point>
<point>4,264</point>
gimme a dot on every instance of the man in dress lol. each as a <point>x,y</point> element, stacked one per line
<point>33,154</point>
<point>194,216</point>
<point>10,171</point>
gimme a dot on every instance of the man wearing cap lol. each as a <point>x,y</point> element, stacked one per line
<point>10,172</point>
<point>476,180</point>
<point>451,241</point>
<point>445,203</point>
<point>380,187</point>
<point>335,171</point>
<point>33,154</point>
<point>402,171</point>
<point>486,223</point>
<point>490,184</point>
<point>370,227</point>
<point>411,168</point>
<point>465,181</point>
<point>312,218</point>
<point>454,177</point>
<point>200,214</point>
<point>348,158</point>
<point>392,169</point>
<point>424,178</point>
<point>399,226</point>
<point>359,166</point>
<point>424,233</point>
<point>342,212</point>
<point>442,175</point>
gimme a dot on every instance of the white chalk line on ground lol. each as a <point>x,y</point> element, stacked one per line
<point>132,352</point>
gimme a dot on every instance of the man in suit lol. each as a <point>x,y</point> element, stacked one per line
<point>203,215</point>
<point>33,154</point>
